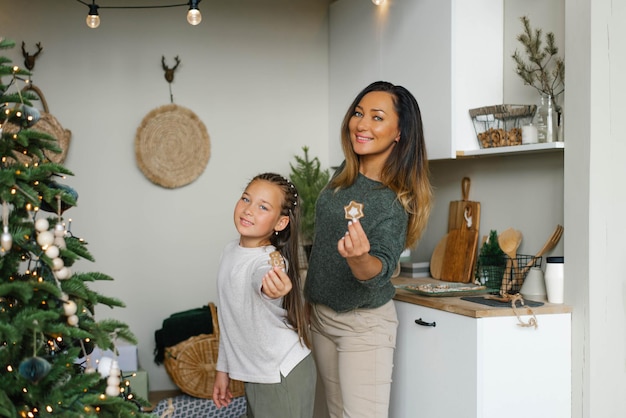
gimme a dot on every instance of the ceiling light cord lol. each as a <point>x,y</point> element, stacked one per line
<point>194,17</point>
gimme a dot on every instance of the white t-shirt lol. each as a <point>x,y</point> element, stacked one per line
<point>256,343</point>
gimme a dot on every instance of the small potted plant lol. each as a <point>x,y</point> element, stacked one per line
<point>491,263</point>
<point>309,179</point>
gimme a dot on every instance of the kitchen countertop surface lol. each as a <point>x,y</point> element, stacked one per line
<point>464,307</point>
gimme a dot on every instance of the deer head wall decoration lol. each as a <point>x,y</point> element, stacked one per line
<point>29,60</point>
<point>169,72</point>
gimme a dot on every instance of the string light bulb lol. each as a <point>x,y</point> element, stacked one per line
<point>378,2</point>
<point>194,17</point>
<point>93,20</point>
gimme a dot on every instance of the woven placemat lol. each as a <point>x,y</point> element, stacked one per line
<point>499,304</point>
<point>172,146</point>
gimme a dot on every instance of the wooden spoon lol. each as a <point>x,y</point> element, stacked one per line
<point>552,241</point>
<point>509,241</point>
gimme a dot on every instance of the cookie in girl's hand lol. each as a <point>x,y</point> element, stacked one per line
<point>276,260</point>
<point>354,210</point>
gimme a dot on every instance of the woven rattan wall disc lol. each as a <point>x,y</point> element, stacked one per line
<point>172,146</point>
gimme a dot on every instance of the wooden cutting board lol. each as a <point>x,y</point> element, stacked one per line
<point>461,247</point>
<point>436,260</point>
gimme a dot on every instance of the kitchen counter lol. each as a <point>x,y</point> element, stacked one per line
<point>462,307</point>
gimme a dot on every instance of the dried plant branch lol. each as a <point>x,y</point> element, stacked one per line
<point>542,69</point>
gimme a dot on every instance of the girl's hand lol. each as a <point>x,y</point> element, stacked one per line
<point>221,392</point>
<point>276,283</point>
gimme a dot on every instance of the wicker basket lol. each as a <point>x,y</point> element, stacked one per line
<point>191,363</point>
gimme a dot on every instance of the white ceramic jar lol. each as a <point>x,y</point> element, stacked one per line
<point>534,287</point>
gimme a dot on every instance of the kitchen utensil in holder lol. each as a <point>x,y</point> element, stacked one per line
<point>517,276</point>
<point>490,271</point>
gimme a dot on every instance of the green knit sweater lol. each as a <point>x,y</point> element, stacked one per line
<point>329,280</point>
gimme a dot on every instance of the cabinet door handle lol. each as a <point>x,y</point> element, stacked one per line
<point>425,324</point>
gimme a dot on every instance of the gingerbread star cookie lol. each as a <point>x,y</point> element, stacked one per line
<point>276,260</point>
<point>354,210</point>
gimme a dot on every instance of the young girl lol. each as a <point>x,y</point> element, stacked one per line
<point>383,190</point>
<point>264,338</point>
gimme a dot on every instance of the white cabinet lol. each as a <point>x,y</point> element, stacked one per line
<point>448,53</point>
<point>466,367</point>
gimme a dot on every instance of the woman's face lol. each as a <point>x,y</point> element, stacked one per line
<point>258,213</point>
<point>374,125</point>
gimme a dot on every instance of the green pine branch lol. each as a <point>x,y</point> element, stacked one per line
<point>541,68</point>
<point>309,179</point>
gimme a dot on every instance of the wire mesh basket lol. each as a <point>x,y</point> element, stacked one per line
<point>498,273</point>
<point>501,125</point>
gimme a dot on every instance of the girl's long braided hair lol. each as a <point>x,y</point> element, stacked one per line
<point>287,243</point>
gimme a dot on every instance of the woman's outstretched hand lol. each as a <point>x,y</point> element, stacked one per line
<point>354,243</point>
<point>354,246</point>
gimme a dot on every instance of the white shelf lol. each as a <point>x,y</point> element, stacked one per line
<point>516,149</point>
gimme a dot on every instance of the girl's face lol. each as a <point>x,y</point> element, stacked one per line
<point>258,213</point>
<point>374,125</point>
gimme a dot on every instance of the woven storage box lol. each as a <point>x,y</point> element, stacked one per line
<point>191,363</point>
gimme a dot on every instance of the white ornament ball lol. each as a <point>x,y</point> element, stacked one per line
<point>113,380</point>
<point>72,320</point>
<point>70,308</point>
<point>45,238</point>
<point>115,369</point>
<point>42,224</point>
<point>59,230</point>
<point>57,263</point>
<point>104,366</point>
<point>112,391</point>
<point>63,273</point>
<point>6,240</point>
<point>53,251</point>
<point>60,242</point>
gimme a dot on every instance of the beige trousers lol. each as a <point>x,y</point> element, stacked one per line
<point>354,356</point>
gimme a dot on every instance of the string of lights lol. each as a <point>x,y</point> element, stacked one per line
<point>194,17</point>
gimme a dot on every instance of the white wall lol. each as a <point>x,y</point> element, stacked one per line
<point>254,72</point>
<point>594,170</point>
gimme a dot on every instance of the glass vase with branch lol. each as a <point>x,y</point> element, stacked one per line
<point>542,68</point>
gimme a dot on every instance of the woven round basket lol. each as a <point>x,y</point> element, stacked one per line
<point>172,146</point>
<point>191,363</point>
<point>47,124</point>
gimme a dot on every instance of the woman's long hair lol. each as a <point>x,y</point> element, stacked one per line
<point>406,170</point>
<point>287,243</point>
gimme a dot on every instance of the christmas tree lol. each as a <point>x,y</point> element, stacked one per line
<point>47,321</point>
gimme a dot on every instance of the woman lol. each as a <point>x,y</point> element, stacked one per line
<point>376,205</point>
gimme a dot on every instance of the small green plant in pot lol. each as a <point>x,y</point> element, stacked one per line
<point>491,263</point>
<point>309,179</point>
